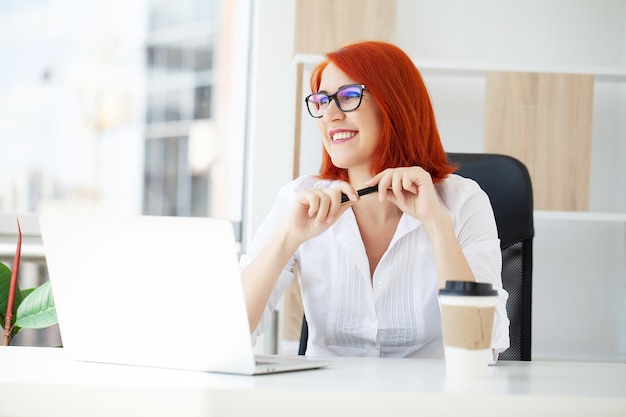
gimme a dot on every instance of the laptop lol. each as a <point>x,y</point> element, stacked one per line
<point>153,291</point>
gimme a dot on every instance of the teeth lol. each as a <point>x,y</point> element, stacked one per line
<point>343,135</point>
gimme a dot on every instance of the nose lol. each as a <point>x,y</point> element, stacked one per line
<point>333,112</point>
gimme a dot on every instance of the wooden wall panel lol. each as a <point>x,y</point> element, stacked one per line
<point>325,25</point>
<point>545,121</point>
<point>293,312</point>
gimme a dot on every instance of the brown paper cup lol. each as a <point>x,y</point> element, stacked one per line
<point>467,326</point>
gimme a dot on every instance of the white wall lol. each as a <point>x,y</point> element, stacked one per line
<point>579,287</point>
<point>457,40</point>
<point>514,32</point>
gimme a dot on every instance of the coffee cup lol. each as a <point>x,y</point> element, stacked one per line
<point>467,316</point>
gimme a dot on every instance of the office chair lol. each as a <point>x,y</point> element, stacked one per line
<point>507,183</point>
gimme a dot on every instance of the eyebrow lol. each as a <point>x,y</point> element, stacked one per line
<point>340,87</point>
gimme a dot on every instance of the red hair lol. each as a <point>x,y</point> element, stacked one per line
<point>409,132</point>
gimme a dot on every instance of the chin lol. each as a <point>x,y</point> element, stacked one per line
<point>341,163</point>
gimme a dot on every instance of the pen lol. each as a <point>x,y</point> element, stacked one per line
<point>361,192</point>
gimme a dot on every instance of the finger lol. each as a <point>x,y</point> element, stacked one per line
<point>396,186</point>
<point>334,199</point>
<point>408,184</point>
<point>310,200</point>
<point>348,190</point>
<point>340,210</point>
<point>384,183</point>
<point>330,212</point>
<point>375,179</point>
<point>314,206</point>
<point>323,208</point>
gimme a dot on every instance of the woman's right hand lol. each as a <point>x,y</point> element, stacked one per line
<point>316,209</point>
<point>313,211</point>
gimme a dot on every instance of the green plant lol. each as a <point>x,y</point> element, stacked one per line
<point>31,308</point>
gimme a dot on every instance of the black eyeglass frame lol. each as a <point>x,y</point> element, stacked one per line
<point>332,97</point>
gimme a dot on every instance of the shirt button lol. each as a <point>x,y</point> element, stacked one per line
<point>379,284</point>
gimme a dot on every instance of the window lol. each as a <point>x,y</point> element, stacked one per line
<point>110,111</point>
<point>106,106</point>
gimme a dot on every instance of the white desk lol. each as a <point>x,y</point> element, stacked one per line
<point>42,382</point>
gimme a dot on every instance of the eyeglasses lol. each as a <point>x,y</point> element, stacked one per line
<point>348,98</point>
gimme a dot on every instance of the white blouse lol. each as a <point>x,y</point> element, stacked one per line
<point>396,313</point>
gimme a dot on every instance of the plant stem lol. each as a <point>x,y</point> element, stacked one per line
<point>8,320</point>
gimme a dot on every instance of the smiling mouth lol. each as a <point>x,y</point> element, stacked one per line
<point>340,136</point>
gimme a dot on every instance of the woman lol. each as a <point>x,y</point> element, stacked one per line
<point>370,268</point>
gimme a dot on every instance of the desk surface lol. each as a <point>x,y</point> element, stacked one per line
<point>43,382</point>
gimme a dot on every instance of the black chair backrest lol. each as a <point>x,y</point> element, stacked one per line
<point>507,183</point>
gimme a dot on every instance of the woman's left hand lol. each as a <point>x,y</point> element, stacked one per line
<point>411,189</point>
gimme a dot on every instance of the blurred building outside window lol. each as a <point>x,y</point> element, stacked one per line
<point>110,106</point>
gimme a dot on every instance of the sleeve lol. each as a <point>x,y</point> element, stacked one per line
<point>478,236</point>
<point>278,212</point>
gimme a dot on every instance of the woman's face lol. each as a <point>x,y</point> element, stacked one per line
<point>349,138</point>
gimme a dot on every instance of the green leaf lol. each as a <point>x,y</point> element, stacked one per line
<point>5,283</point>
<point>37,310</point>
<point>26,292</point>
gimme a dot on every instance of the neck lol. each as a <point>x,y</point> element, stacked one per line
<point>358,177</point>
<point>369,208</point>
<point>378,212</point>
